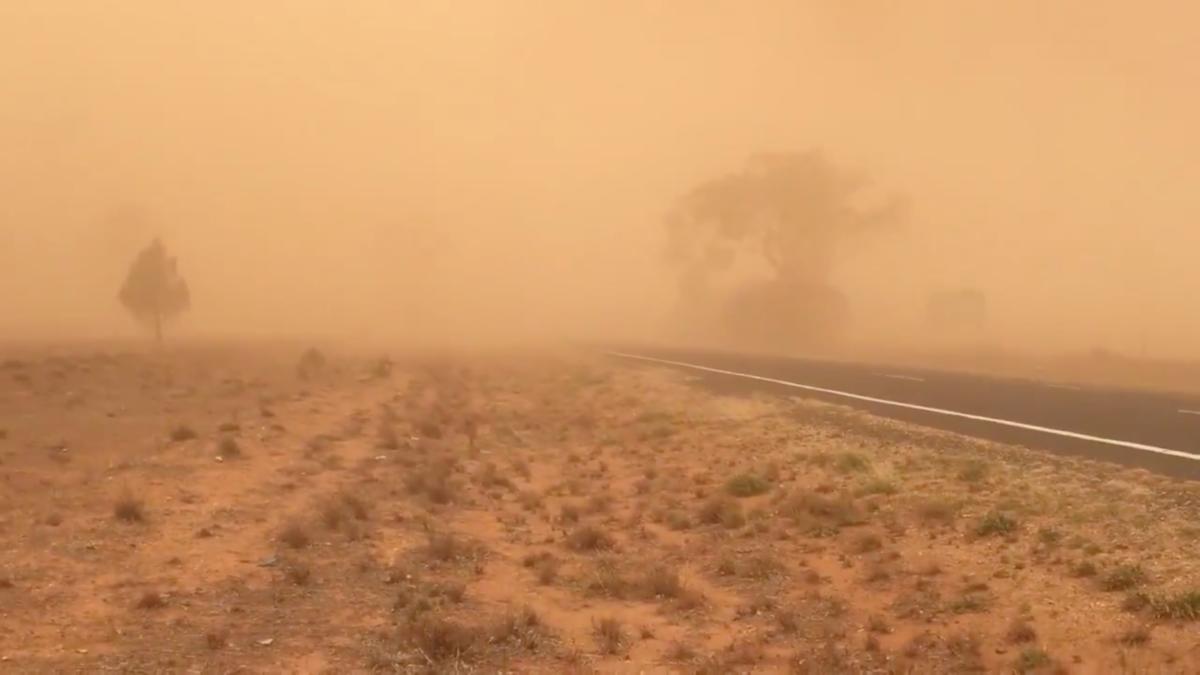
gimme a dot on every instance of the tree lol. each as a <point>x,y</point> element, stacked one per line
<point>153,290</point>
<point>785,216</point>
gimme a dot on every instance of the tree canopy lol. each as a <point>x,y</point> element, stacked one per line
<point>154,291</point>
<point>788,213</point>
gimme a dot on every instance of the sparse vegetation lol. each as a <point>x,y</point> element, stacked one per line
<point>747,485</point>
<point>1032,658</point>
<point>1123,578</point>
<point>151,600</point>
<point>1183,606</point>
<point>183,433</point>
<point>229,449</point>
<point>857,546</point>
<point>724,511</point>
<point>996,523</point>
<point>294,535</point>
<point>610,635</point>
<point>589,538</point>
<point>129,507</point>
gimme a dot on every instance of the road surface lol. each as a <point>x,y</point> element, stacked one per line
<point>1156,431</point>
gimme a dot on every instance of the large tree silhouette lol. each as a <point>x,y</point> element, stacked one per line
<point>786,215</point>
<point>153,291</point>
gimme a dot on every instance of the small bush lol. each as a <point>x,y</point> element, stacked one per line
<point>868,542</point>
<point>229,449</point>
<point>851,462</point>
<point>723,511</point>
<point>294,535</point>
<point>878,486</point>
<point>355,504</point>
<point>996,523</point>
<point>1020,631</point>
<point>1032,658</point>
<point>1134,637</point>
<point>973,471</point>
<point>1123,578</point>
<point>610,635</point>
<point>1183,606</point>
<point>969,603</point>
<point>747,485</point>
<point>590,538</point>
<point>1087,568</point>
<point>183,433</point>
<point>660,582</point>
<point>1049,536</point>
<point>445,547</point>
<point>678,521</point>
<point>442,641</point>
<point>298,573</point>
<point>937,510</point>
<point>151,600</point>
<point>129,507</point>
<point>1135,602</point>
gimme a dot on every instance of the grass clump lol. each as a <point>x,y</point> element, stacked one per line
<point>747,485</point>
<point>851,462</point>
<point>1123,578</point>
<point>590,538</point>
<point>295,535</point>
<point>129,507</point>
<point>229,449</point>
<point>878,485</point>
<point>151,600</point>
<point>724,511</point>
<point>610,635</point>
<point>1020,631</point>
<point>441,641</point>
<point>996,523</point>
<point>183,433</point>
<point>1183,606</point>
<point>1031,658</point>
<point>974,471</point>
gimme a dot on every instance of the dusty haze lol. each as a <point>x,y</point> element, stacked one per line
<point>502,169</point>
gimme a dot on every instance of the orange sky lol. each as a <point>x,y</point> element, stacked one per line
<point>499,167</point>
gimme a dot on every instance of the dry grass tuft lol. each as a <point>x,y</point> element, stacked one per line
<point>610,635</point>
<point>590,538</point>
<point>129,507</point>
<point>295,535</point>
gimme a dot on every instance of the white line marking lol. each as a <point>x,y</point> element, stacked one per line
<point>1189,412</point>
<point>910,378</point>
<point>912,406</point>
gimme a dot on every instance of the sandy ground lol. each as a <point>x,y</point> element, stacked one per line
<point>225,510</point>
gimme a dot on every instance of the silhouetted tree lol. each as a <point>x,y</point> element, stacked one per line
<point>153,290</point>
<point>790,211</point>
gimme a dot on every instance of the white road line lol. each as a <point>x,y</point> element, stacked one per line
<point>912,406</point>
<point>910,378</point>
<point>1189,412</point>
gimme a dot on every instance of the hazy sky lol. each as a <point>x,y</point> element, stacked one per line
<point>395,166</point>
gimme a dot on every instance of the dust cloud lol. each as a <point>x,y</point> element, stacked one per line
<point>489,170</point>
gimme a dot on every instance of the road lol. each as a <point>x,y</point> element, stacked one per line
<point>1151,430</point>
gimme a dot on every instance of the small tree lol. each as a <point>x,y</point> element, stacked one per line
<point>153,290</point>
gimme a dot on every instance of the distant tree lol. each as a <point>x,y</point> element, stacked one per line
<point>787,213</point>
<point>154,291</point>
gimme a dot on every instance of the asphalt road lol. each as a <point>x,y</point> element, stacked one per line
<point>1156,431</point>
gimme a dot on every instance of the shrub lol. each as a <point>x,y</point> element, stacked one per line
<point>747,485</point>
<point>1123,578</point>
<point>129,507</point>
<point>996,523</point>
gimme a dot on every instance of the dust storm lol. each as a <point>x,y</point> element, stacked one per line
<point>475,171</point>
